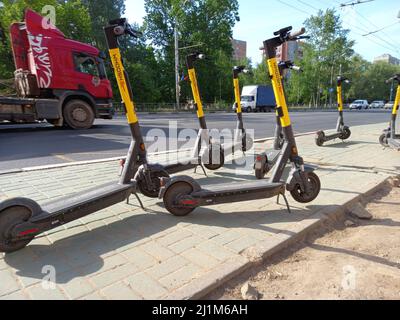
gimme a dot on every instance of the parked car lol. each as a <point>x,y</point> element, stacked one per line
<point>359,105</point>
<point>389,105</point>
<point>378,104</point>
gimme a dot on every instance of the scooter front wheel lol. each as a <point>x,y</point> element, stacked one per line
<point>154,190</point>
<point>320,139</point>
<point>171,196</point>
<point>10,218</point>
<point>346,133</point>
<point>383,140</point>
<point>314,189</point>
<point>212,164</point>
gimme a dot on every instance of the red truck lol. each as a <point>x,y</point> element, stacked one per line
<point>56,79</point>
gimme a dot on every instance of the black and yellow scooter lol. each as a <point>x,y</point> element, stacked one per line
<point>389,138</point>
<point>342,132</point>
<point>210,157</point>
<point>23,219</point>
<point>182,195</point>
<point>242,139</point>
<point>266,160</point>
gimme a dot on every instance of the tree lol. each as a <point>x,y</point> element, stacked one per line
<point>101,12</point>
<point>207,23</point>
<point>328,51</point>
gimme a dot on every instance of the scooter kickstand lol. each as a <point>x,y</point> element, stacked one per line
<point>286,202</point>
<point>138,199</point>
<point>202,168</point>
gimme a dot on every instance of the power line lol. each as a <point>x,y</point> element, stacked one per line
<point>374,35</point>
<point>293,7</point>
<point>351,25</point>
<point>308,5</point>
<point>342,5</point>
<point>379,30</point>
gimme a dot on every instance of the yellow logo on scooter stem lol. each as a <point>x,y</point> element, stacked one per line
<point>196,93</point>
<point>122,85</point>
<point>237,95</point>
<point>396,102</point>
<point>278,91</point>
<point>340,98</point>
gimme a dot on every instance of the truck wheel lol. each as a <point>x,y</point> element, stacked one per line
<point>248,110</point>
<point>78,115</point>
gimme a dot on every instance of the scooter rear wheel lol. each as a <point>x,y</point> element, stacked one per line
<point>10,218</point>
<point>174,191</point>
<point>155,177</point>
<point>383,140</point>
<point>315,188</point>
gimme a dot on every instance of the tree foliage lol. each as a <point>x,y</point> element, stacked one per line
<point>207,23</point>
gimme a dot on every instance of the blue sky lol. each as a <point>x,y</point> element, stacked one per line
<point>259,18</point>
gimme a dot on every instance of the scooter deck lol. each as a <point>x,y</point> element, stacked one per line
<point>394,143</point>
<point>183,165</point>
<point>238,191</point>
<point>86,202</point>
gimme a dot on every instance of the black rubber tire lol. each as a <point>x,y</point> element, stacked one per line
<point>216,166</point>
<point>383,140</point>
<point>248,110</point>
<point>155,177</point>
<point>346,133</point>
<point>320,139</point>
<point>9,218</point>
<point>301,197</point>
<point>78,115</point>
<point>174,191</point>
<point>260,174</point>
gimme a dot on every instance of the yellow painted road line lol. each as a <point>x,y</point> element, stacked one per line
<point>63,157</point>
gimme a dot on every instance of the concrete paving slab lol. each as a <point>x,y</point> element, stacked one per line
<point>123,252</point>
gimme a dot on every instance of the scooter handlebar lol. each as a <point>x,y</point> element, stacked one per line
<point>123,27</point>
<point>395,77</point>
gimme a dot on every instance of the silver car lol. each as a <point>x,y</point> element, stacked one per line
<point>389,105</point>
<point>359,105</point>
<point>378,104</point>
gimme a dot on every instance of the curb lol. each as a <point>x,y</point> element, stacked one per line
<point>253,256</point>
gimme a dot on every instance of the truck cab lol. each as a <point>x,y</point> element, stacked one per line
<point>57,79</point>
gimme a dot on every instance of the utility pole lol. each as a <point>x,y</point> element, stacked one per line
<point>177,86</point>
<point>391,91</point>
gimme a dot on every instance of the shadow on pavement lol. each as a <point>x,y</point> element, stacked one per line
<point>82,255</point>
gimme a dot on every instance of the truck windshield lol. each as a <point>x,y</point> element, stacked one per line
<point>247,98</point>
<point>90,65</point>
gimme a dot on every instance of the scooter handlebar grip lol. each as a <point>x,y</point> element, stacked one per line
<point>298,33</point>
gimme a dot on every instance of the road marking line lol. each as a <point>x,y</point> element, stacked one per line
<point>62,157</point>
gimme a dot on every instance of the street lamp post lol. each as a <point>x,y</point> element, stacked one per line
<point>177,86</point>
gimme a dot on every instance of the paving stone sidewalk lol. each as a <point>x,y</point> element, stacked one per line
<point>123,252</point>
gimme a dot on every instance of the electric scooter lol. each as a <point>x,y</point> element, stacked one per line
<point>21,219</point>
<point>266,161</point>
<point>389,138</point>
<point>182,195</point>
<point>213,157</point>
<point>197,159</point>
<point>241,138</point>
<point>342,132</point>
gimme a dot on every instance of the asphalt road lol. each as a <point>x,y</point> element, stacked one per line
<point>24,146</point>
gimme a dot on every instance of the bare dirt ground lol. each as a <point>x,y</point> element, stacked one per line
<point>336,262</point>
